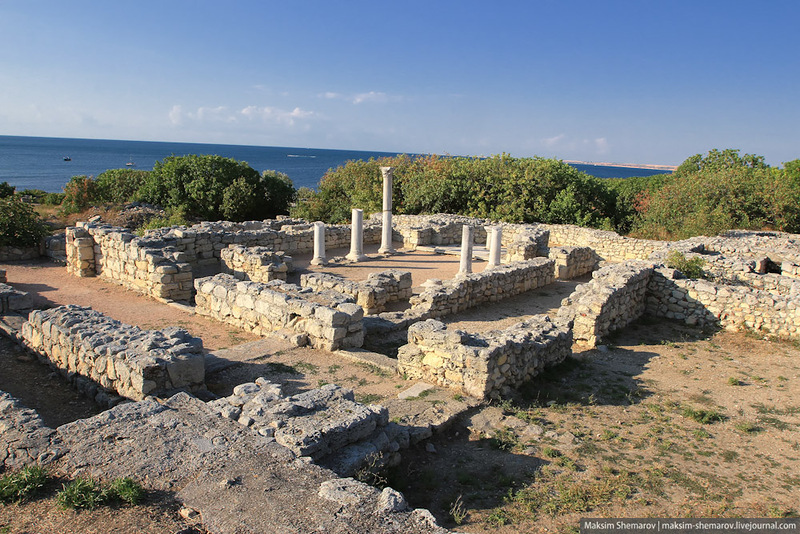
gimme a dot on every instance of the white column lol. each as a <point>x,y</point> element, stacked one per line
<point>495,244</point>
<point>386,234</point>
<point>357,236</point>
<point>465,267</point>
<point>319,244</point>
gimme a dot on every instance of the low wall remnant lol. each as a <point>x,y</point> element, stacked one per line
<point>330,320</point>
<point>372,294</point>
<point>485,365</point>
<point>120,359</point>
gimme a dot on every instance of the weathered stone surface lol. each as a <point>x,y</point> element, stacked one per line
<point>118,358</point>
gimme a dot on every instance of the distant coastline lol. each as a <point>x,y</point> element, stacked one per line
<point>625,165</point>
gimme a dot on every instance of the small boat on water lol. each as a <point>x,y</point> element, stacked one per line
<point>67,158</point>
<point>130,162</point>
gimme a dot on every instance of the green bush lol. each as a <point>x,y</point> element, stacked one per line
<point>20,225</point>
<point>177,218</point>
<point>691,268</point>
<point>53,199</point>
<point>88,494</point>
<point>79,193</point>
<point>213,188</point>
<point>719,192</point>
<point>500,187</point>
<point>6,190</point>
<point>119,186</point>
<point>23,484</point>
<point>79,494</point>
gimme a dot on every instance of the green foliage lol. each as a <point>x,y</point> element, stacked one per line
<point>87,493</point>
<point>6,190</point>
<point>177,218</point>
<point>119,186</point>
<point>718,192</point>
<point>79,193</point>
<point>125,490</point>
<point>702,416</point>
<point>691,268</point>
<point>81,493</point>
<point>632,196</point>
<point>213,188</point>
<point>20,225</point>
<point>23,484</point>
<point>53,199</point>
<point>500,188</point>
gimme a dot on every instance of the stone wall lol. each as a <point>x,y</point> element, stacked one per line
<point>257,264</point>
<point>12,300</point>
<point>325,423</point>
<point>487,365</point>
<point>609,246</point>
<point>8,253</point>
<point>329,320</point>
<point>203,243</point>
<point>466,291</point>
<point>572,262</point>
<point>524,242</point>
<point>24,438</point>
<point>615,297</point>
<point>700,302</point>
<point>55,247</point>
<point>144,265</point>
<point>372,294</point>
<point>440,229</point>
<point>120,359</point>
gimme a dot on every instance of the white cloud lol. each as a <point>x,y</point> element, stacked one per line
<point>553,142</point>
<point>222,114</point>
<point>372,96</point>
<point>601,145</point>
<point>176,115</point>
<point>361,98</point>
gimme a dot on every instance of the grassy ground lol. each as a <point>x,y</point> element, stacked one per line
<point>668,423</point>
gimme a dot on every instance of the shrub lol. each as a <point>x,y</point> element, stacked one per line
<point>500,187</point>
<point>23,484</point>
<point>719,192</point>
<point>81,493</point>
<point>213,188</point>
<point>119,186</point>
<point>79,193</point>
<point>6,190</point>
<point>177,218</point>
<point>20,225</point>
<point>691,268</point>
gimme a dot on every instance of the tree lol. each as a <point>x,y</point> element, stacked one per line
<point>214,188</point>
<point>20,225</point>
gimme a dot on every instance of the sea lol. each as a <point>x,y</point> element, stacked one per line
<point>48,163</point>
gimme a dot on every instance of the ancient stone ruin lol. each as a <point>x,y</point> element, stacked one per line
<point>238,273</point>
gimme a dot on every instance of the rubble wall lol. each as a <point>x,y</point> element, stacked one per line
<point>120,359</point>
<point>469,290</point>
<point>615,297</point>
<point>488,365</point>
<point>257,264</point>
<point>144,265</point>
<point>733,307</point>
<point>330,320</point>
<point>372,294</point>
<point>609,246</point>
<point>572,262</point>
<point>24,438</point>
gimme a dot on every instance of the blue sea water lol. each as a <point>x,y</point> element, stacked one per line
<point>38,162</point>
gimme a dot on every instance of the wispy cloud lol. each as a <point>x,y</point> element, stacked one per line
<point>555,141</point>
<point>222,114</point>
<point>360,98</point>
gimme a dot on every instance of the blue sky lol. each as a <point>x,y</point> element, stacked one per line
<point>637,82</point>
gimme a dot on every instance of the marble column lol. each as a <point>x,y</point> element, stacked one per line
<point>495,238</point>
<point>465,267</point>
<point>319,244</point>
<point>386,234</point>
<point>357,236</point>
